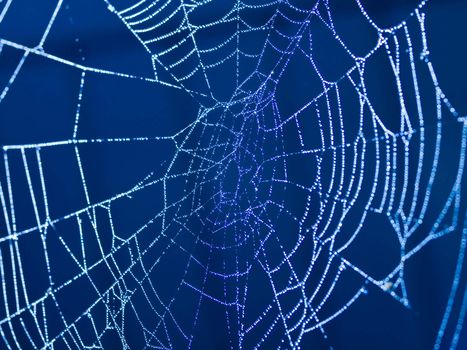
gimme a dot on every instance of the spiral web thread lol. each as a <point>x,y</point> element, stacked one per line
<point>251,227</point>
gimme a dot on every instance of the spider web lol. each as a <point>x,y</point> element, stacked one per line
<point>259,210</point>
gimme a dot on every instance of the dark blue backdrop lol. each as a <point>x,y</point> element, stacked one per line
<point>41,107</point>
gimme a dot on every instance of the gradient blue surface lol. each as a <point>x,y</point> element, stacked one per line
<point>232,174</point>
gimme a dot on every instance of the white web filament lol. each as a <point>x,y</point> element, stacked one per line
<point>253,193</point>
